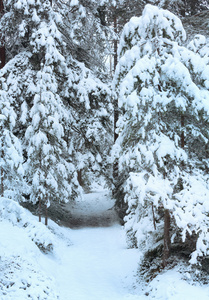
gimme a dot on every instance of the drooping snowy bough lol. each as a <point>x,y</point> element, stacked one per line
<point>162,148</point>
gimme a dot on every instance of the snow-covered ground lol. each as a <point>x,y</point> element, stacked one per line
<point>89,263</point>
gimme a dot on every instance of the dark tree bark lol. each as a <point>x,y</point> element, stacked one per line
<point>153,215</point>
<point>79,176</point>
<point>166,250</point>
<point>2,57</point>
<point>2,64</point>
<point>2,41</point>
<point>115,166</point>
<point>115,64</point>
<point>39,209</point>
<point>182,131</point>
<point>46,215</point>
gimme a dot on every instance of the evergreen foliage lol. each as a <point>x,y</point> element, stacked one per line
<point>11,159</point>
<point>62,107</point>
<point>163,95</point>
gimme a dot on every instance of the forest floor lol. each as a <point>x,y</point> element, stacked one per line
<point>89,261</point>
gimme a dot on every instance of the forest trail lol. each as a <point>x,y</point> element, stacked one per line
<point>98,265</point>
<point>96,209</point>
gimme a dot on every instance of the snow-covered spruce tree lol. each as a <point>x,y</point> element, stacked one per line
<point>11,159</point>
<point>35,76</point>
<point>86,99</point>
<point>57,174</point>
<point>163,93</point>
<point>52,175</point>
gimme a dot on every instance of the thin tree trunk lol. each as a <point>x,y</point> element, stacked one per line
<point>115,44</point>
<point>39,209</point>
<point>2,64</point>
<point>153,215</point>
<point>2,182</point>
<point>182,131</point>
<point>46,215</point>
<point>166,251</point>
<point>2,41</point>
<point>115,64</point>
<point>167,240</point>
<point>115,166</point>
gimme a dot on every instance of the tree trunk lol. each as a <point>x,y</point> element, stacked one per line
<point>166,250</point>
<point>182,131</point>
<point>2,182</point>
<point>79,176</point>
<point>115,44</point>
<point>2,41</point>
<point>167,240</point>
<point>115,165</point>
<point>39,209</point>
<point>46,215</point>
<point>115,64</point>
<point>2,64</point>
<point>2,57</point>
<point>153,215</point>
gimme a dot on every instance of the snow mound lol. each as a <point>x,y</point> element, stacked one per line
<point>21,274</point>
<point>18,216</point>
<point>174,284</point>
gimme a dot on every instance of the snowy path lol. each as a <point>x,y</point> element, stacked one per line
<point>89,263</point>
<point>98,266</point>
<point>94,210</point>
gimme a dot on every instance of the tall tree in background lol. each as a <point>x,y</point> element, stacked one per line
<point>87,91</point>
<point>183,7</point>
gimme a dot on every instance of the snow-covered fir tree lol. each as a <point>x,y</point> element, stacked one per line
<point>11,159</point>
<point>163,96</point>
<point>41,44</point>
<point>52,176</point>
<point>34,76</point>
